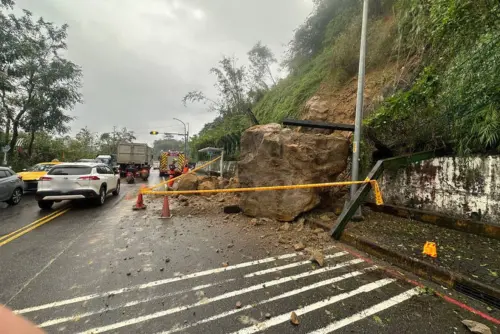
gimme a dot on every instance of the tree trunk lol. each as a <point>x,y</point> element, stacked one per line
<point>271,75</point>
<point>32,139</point>
<point>13,141</point>
<point>5,140</point>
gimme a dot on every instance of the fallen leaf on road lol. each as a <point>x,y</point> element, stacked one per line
<point>378,320</point>
<point>246,320</point>
<point>476,327</point>
<point>294,319</point>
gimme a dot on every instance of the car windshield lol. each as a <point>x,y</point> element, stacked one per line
<point>71,170</point>
<point>103,160</point>
<point>40,168</point>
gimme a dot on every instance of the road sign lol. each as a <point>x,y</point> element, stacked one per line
<point>6,149</point>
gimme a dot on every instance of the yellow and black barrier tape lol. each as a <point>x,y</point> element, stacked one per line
<point>373,183</point>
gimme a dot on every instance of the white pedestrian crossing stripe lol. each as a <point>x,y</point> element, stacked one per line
<point>255,281</point>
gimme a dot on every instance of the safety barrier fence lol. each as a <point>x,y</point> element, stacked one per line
<point>374,184</point>
<point>151,191</point>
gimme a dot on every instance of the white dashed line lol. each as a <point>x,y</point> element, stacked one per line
<point>284,295</point>
<point>57,321</point>
<point>153,284</point>
<point>220,297</point>
<point>369,311</point>
<point>315,306</point>
<point>291,265</point>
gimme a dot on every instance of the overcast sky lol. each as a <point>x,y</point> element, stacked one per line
<point>140,57</point>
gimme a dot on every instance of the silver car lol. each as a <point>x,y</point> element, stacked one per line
<point>11,186</point>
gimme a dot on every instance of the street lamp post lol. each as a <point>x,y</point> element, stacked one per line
<point>359,102</point>
<point>186,135</point>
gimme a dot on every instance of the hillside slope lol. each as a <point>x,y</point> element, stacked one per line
<point>433,74</point>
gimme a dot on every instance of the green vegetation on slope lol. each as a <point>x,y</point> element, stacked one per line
<point>455,98</point>
<point>324,50</point>
<point>446,91</point>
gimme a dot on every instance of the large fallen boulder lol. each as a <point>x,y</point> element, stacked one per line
<point>188,182</point>
<point>207,185</point>
<point>273,156</point>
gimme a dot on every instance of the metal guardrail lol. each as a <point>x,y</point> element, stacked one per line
<point>375,173</point>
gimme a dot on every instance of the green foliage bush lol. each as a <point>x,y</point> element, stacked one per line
<point>456,98</point>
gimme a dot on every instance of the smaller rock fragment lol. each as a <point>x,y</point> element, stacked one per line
<point>238,304</point>
<point>317,256</point>
<point>285,227</point>
<point>294,319</point>
<point>476,327</point>
<point>299,246</point>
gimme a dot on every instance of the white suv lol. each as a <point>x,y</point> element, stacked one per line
<point>74,181</point>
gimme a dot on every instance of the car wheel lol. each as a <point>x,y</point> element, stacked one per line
<point>17,194</point>
<point>45,205</point>
<point>116,192</point>
<point>102,196</point>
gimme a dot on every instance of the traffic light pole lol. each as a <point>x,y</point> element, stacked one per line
<point>185,136</point>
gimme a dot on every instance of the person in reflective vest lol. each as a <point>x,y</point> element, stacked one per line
<point>172,172</point>
<point>185,170</point>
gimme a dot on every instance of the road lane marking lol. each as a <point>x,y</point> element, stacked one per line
<point>230,294</point>
<point>291,265</point>
<point>23,232</point>
<point>157,283</point>
<point>76,317</point>
<point>315,306</point>
<point>154,283</point>
<point>31,224</point>
<point>369,311</point>
<point>284,295</point>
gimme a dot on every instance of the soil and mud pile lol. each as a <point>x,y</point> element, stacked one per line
<point>271,156</point>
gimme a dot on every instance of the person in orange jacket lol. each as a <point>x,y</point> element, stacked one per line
<point>173,171</point>
<point>185,170</point>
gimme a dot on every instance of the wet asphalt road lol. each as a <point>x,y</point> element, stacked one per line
<point>109,269</point>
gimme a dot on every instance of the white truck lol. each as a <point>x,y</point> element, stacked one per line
<point>135,158</point>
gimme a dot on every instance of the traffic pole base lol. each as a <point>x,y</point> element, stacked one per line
<point>358,215</point>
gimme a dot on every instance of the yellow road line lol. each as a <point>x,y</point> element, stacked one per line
<point>40,223</point>
<point>26,226</point>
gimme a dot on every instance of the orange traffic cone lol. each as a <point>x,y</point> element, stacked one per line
<point>430,249</point>
<point>139,204</point>
<point>165,211</point>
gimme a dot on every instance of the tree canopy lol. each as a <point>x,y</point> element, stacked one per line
<point>38,85</point>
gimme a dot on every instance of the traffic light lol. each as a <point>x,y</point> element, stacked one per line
<point>153,133</point>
